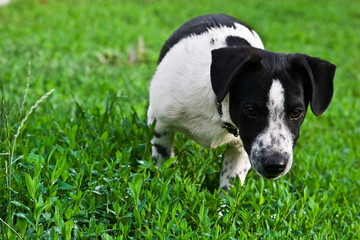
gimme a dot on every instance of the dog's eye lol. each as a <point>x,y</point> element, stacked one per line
<point>250,111</point>
<point>295,114</point>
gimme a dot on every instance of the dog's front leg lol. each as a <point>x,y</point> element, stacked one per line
<point>235,164</point>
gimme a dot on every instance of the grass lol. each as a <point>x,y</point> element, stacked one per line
<point>81,166</point>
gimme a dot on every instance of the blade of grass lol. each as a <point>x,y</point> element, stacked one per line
<point>13,230</point>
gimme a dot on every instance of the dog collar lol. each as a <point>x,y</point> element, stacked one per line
<point>228,126</point>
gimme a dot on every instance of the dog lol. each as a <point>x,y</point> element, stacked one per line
<point>216,83</point>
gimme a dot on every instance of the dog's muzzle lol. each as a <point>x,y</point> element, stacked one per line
<point>273,166</point>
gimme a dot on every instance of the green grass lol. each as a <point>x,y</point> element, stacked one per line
<point>81,166</point>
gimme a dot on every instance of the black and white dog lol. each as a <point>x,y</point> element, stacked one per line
<point>215,82</point>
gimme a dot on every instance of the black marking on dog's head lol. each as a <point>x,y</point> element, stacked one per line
<point>228,64</point>
<point>319,76</point>
<point>247,74</point>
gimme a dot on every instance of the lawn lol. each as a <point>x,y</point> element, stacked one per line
<point>76,164</point>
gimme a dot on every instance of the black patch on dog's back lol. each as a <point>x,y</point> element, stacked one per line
<point>198,26</point>
<point>234,41</point>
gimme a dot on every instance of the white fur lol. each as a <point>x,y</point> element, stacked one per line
<point>276,136</point>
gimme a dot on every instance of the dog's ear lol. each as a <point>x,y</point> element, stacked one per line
<point>319,80</point>
<point>229,64</point>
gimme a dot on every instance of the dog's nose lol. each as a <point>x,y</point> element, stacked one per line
<point>274,165</point>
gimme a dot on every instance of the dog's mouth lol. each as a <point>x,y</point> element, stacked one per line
<point>271,176</point>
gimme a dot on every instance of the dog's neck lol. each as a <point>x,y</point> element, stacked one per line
<point>228,126</point>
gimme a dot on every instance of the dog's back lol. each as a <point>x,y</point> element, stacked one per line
<point>200,25</point>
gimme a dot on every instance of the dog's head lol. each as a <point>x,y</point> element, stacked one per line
<point>269,95</point>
